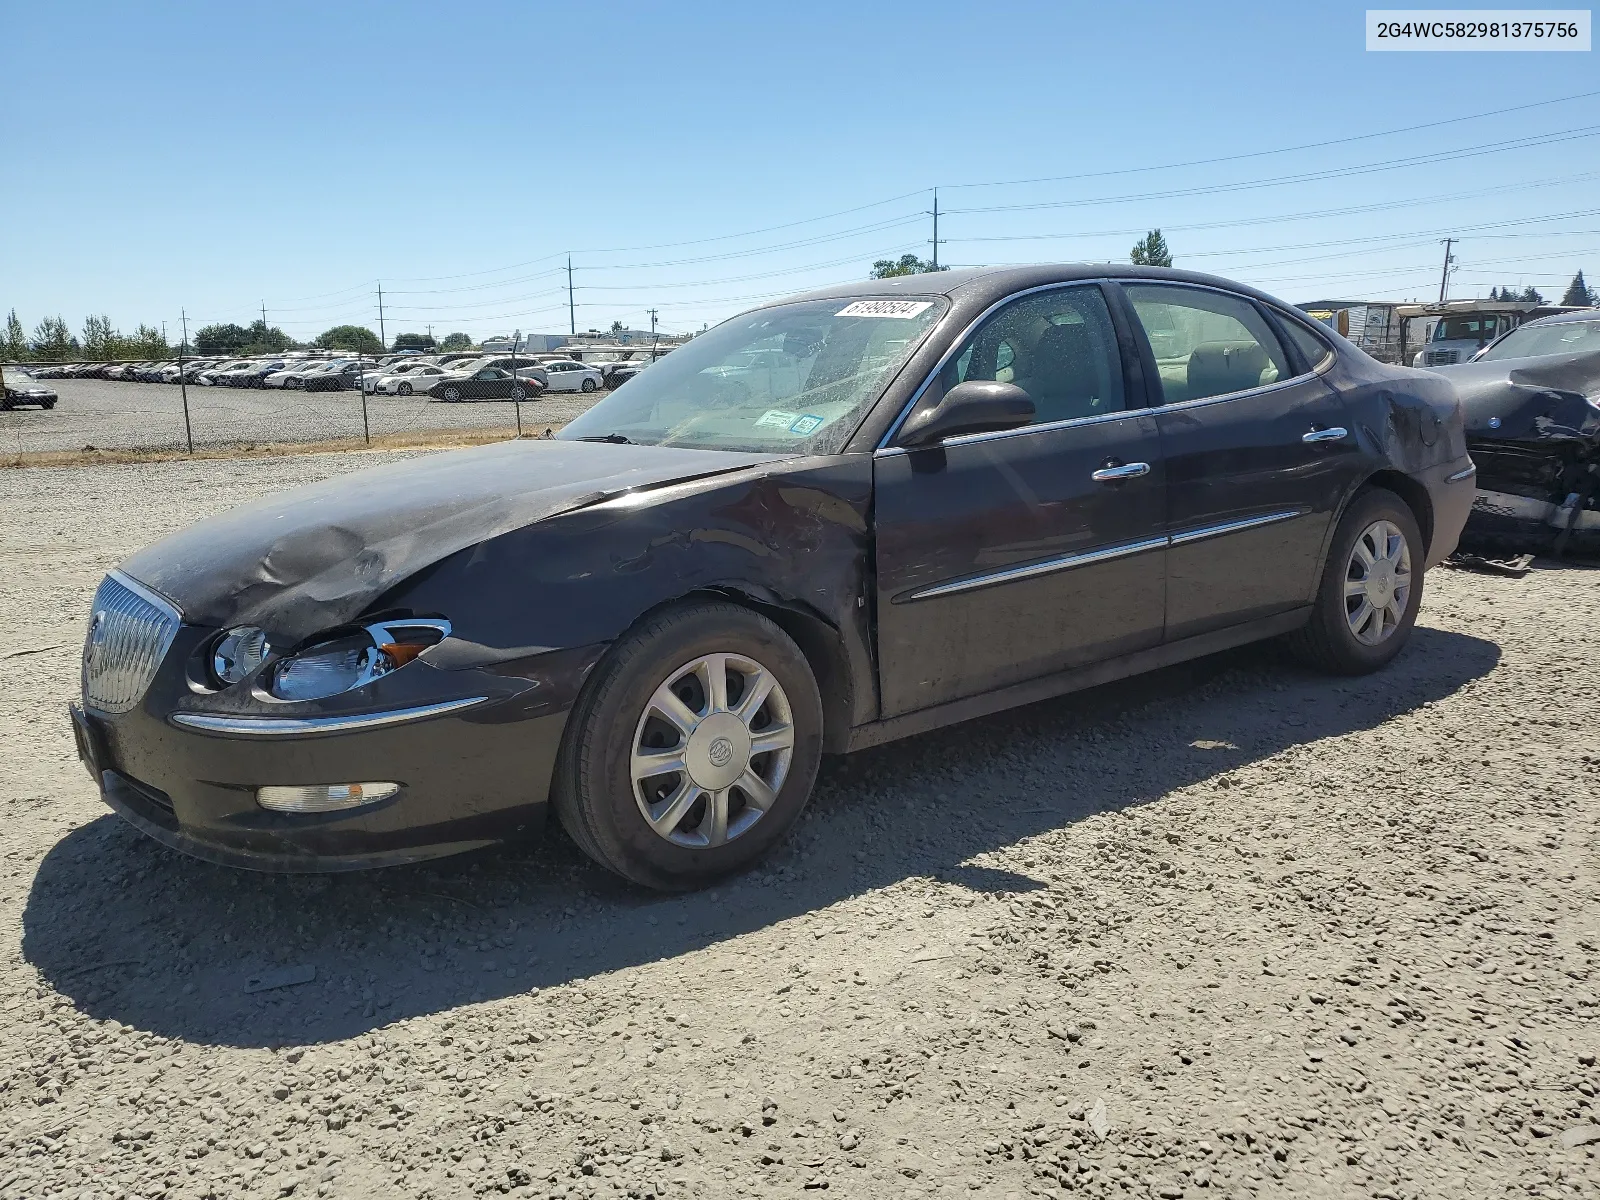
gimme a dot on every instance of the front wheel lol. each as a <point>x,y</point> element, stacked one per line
<point>1366,604</point>
<point>403,390</point>
<point>692,749</point>
<point>589,385</point>
<point>452,394</point>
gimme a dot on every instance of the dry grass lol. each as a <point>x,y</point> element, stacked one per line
<point>435,439</point>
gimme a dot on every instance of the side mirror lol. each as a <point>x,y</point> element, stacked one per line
<point>976,406</point>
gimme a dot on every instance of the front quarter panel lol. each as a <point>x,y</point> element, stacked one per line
<point>793,535</point>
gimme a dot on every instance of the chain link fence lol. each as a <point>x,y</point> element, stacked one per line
<point>91,415</point>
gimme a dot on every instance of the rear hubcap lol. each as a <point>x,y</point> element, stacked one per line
<point>1377,583</point>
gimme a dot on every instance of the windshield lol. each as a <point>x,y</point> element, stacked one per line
<point>1479,328</point>
<point>792,377</point>
<point>1535,341</point>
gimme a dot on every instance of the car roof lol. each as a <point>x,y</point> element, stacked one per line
<point>1582,314</point>
<point>993,283</point>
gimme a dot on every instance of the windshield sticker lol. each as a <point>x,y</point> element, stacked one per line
<point>809,423</point>
<point>776,418</point>
<point>902,310</point>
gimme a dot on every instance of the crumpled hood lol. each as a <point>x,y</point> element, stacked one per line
<point>304,560</point>
<point>1528,399</point>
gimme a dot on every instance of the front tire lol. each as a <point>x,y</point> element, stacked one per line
<point>692,749</point>
<point>452,394</point>
<point>1371,588</point>
<point>403,390</point>
<point>588,385</point>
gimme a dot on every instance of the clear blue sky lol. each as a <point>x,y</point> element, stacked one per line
<point>214,156</point>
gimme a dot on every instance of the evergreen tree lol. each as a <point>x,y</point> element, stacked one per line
<point>1578,292</point>
<point>1151,251</point>
<point>16,343</point>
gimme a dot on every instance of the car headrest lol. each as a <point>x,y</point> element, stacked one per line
<point>1216,368</point>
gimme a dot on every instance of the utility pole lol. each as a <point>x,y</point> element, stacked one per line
<point>263,318</point>
<point>382,337</point>
<point>1444,275</point>
<point>935,229</point>
<point>183,383</point>
<point>572,309</point>
<point>652,333</point>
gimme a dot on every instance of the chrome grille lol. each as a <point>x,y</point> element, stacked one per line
<point>1441,358</point>
<point>130,630</point>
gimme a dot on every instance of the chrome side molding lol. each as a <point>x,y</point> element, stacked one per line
<point>1067,562</point>
<point>313,726</point>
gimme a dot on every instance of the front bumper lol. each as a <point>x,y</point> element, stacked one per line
<point>1536,524</point>
<point>470,777</point>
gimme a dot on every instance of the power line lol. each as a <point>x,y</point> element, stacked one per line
<point>1431,159</point>
<point>1207,162</point>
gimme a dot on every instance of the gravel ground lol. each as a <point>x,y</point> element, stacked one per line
<point>1230,930</point>
<point>124,416</point>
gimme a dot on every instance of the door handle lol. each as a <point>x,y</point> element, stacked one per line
<point>1125,471</point>
<point>1336,434</point>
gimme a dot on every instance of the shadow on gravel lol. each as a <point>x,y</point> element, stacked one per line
<point>129,930</point>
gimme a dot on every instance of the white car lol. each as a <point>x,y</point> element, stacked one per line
<point>568,376</point>
<point>294,373</point>
<point>405,379</point>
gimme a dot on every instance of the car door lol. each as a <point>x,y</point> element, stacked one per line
<point>1006,556</point>
<point>1259,456</point>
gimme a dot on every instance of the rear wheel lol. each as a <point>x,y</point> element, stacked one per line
<point>518,394</point>
<point>1371,588</point>
<point>693,748</point>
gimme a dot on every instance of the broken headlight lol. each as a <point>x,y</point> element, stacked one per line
<point>353,658</point>
<point>239,652</point>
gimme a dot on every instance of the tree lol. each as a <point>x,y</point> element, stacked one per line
<point>350,337</point>
<point>52,341</point>
<point>16,344</point>
<point>1578,292</point>
<point>455,341</point>
<point>221,339</point>
<point>97,338</point>
<point>413,341</point>
<point>262,338</point>
<point>1531,295</point>
<point>909,264</point>
<point>147,342</point>
<point>616,328</point>
<point>1151,251</point>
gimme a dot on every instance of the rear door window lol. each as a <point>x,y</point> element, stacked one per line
<point>1206,343</point>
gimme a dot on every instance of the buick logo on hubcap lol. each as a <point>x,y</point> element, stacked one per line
<point>720,752</point>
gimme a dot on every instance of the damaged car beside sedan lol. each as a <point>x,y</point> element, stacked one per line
<point>1531,406</point>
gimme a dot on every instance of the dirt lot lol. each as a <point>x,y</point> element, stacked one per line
<point>1231,930</point>
<point>123,416</point>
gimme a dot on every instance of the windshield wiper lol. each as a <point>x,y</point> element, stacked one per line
<point>615,438</point>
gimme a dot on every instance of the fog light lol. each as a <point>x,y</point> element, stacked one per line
<point>325,798</point>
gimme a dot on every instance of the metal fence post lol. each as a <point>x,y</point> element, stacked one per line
<point>183,383</point>
<point>361,385</point>
<point>515,399</point>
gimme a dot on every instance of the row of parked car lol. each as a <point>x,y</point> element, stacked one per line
<point>471,375</point>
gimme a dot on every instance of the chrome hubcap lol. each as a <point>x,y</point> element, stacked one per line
<point>1377,582</point>
<point>711,750</point>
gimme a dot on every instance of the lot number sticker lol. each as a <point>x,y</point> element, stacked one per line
<point>901,309</point>
<point>809,423</point>
<point>776,418</point>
